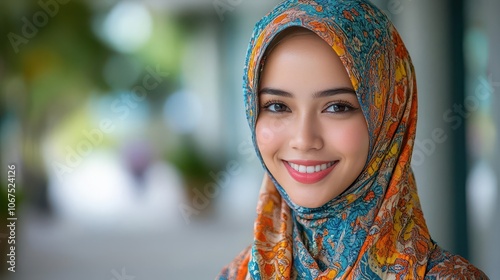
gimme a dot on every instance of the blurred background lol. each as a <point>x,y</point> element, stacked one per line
<point>126,125</point>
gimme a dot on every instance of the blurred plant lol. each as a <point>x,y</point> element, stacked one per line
<point>51,77</point>
<point>195,169</point>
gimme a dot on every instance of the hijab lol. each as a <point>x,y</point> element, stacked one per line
<point>376,228</point>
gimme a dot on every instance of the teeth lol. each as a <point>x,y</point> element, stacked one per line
<point>310,169</point>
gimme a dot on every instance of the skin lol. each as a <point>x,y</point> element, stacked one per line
<point>297,123</point>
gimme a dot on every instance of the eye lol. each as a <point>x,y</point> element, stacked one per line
<point>339,108</point>
<point>275,107</point>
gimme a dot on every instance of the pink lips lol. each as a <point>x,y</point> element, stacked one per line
<point>308,178</point>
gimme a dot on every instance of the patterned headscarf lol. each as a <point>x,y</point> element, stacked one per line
<point>375,229</point>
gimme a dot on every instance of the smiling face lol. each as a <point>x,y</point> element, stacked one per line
<point>310,131</point>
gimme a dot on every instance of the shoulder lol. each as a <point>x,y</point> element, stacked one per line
<point>445,265</point>
<point>238,268</point>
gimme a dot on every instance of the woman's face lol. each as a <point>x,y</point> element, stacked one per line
<point>310,131</point>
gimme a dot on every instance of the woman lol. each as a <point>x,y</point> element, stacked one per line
<point>331,101</point>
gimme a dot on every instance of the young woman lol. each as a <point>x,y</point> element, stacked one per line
<point>331,100</point>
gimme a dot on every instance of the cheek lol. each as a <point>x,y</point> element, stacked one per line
<point>269,136</point>
<point>351,138</point>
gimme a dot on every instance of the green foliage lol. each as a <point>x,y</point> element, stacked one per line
<point>194,168</point>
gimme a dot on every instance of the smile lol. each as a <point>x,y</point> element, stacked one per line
<point>309,172</point>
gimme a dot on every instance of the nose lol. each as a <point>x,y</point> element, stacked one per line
<point>306,134</point>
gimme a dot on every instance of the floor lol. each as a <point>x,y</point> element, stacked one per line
<point>49,249</point>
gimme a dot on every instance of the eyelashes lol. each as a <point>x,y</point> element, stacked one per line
<point>340,107</point>
<point>335,107</point>
<point>275,106</point>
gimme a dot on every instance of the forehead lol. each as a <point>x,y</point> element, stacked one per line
<point>303,61</point>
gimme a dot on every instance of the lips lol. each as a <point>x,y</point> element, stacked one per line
<point>309,172</point>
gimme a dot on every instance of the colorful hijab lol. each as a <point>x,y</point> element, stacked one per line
<point>375,229</point>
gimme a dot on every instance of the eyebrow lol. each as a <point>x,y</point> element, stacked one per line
<point>323,93</point>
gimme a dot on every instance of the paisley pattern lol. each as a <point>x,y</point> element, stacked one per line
<point>376,229</point>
